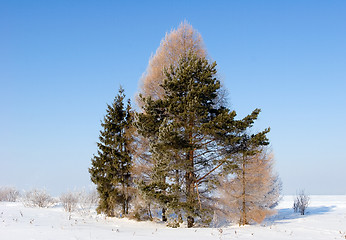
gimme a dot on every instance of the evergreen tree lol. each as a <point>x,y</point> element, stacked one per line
<point>189,132</point>
<point>175,44</point>
<point>111,167</point>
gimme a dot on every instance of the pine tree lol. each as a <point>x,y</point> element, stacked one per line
<point>111,167</point>
<point>175,44</point>
<point>189,131</point>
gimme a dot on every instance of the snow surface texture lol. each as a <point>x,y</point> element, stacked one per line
<point>325,219</point>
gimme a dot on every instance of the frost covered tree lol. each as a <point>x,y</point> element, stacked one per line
<point>301,202</point>
<point>38,198</point>
<point>8,194</point>
<point>251,192</point>
<point>69,201</point>
<point>175,44</point>
<point>111,167</point>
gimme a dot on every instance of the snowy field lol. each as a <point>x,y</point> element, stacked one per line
<point>325,219</point>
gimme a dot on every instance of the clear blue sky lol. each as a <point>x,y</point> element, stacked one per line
<point>61,62</point>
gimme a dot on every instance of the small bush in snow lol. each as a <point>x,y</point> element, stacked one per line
<point>38,198</point>
<point>69,201</point>
<point>301,202</point>
<point>8,194</point>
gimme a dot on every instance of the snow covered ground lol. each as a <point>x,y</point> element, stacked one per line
<point>325,219</point>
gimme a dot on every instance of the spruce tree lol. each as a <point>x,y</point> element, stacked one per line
<point>190,133</point>
<point>111,167</point>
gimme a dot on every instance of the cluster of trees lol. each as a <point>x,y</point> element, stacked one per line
<point>82,200</point>
<point>184,152</point>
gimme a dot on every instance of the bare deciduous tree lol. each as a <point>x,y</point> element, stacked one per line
<point>88,200</point>
<point>301,202</point>
<point>8,194</point>
<point>69,201</point>
<point>252,191</point>
<point>142,208</point>
<point>82,200</point>
<point>175,44</point>
<point>38,198</point>
<point>141,171</point>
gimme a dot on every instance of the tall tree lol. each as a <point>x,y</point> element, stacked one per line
<point>187,131</point>
<point>252,190</point>
<point>175,44</point>
<point>179,42</point>
<point>111,167</point>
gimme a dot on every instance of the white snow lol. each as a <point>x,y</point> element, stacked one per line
<point>325,219</point>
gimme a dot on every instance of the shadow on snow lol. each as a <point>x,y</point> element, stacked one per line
<point>288,214</point>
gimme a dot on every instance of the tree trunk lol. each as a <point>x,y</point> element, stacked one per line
<point>127,197</point>
<point>123,199</point>
<point>190,174</point>
<point>190,221</point>
<point>164,218</point>
<point>244,220</point>
<point>190,180</point>
<point>149,212</point>
<point>127,205</point>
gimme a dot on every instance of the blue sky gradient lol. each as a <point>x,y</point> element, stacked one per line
<point>61,62</point>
